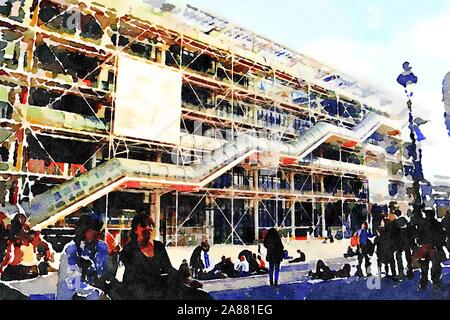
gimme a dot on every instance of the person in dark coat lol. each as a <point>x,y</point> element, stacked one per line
<point>275,254</point>
<point>446,224</point>
<point>196,261</point>
<point>149,275</point>
<point>384,252</point>
<point>431,237</point>
<point>363,250</point>
<point>402,245</point>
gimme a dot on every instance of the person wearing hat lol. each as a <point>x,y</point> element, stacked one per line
<point>84,265</point>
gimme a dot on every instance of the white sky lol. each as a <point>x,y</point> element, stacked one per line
<point>369,40</point>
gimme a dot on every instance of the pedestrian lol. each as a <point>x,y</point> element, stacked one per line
<point>196,261</point>
<point>384,252</point>
<point>402,247</point>
<point>275,254</point>
<point>431,237</point>
<point>363,250</point>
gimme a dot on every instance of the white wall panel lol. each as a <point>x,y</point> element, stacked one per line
<point>148,102</point>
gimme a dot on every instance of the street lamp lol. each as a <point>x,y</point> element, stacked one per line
<point>407,79</point>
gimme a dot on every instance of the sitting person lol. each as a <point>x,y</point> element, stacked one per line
<point>323,272</point>
<point>226,267</point>
<point>242,267</point>
<point>350,253</point>
<point>185,276</point>
<point>261,265</point>
<point>149,274</point>
<point>217,272</point>
<point>253,264</point>
<point>19,262</point>
<point>44,254</point>
<point>85,270</point>
<point>301,258</point>
<point>286,255</point>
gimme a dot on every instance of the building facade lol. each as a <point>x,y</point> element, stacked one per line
<point>219,133</point>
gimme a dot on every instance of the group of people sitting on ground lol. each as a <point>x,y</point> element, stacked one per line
<point>88,272</point>
<point>23,252</point>
<point>248,263</point>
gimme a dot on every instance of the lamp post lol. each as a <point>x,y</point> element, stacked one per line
<point>407,79</point>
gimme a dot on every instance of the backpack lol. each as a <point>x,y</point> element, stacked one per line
<point>354,241</point>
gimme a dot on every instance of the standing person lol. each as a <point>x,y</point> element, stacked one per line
<point>196,261</point>
<point>363,250</point>
<point>84,265</point>
<point>446,224</point>
<point>431,237</point>
<point>275,254</point>
<point>149,275</point>
<point>402,246</point>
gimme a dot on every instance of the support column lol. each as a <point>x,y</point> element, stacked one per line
<point>369,215</point>
<point>155,212</point>
<point>256,203</point>
<point>322,209</point>
<point>256,217</point>
<point>322,205</point>
<point>291,181</point>
<point>293,219</point>
<point>209,203</point>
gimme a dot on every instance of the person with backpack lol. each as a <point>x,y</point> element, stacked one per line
<point>364,250</point>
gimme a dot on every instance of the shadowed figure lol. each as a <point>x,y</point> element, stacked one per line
<point>431,238</point>
<point>323,272</point>
<point>149,275</point>
<point>275,254</point>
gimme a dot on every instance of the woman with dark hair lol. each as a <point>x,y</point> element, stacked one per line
<point>149,275</point>
<point>19,228</point>
<point>18,263</point>
<point>85,267</point>
<point>275,253</point>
